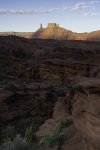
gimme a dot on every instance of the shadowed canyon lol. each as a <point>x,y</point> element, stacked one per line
<point>50,90</point>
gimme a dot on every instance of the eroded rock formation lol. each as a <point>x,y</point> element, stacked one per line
<point>35,76</point>
<point>86,113</point>
<point>85,133</point>
<point>54,31</point>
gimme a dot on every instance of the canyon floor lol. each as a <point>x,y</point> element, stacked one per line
<point>49,94</point>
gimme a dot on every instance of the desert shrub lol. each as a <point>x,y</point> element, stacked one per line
<point>29,134</point>
<point>52,139</point>
<point>66,122</point>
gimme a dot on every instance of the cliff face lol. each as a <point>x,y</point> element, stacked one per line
<point>85,131</point>
<point>86,113</point>
<point>92,36</point>
<point>35,78</point>
<point>53,31</point>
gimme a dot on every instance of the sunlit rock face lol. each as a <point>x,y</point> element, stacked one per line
<point>52,31</point>
<point>86,113</point>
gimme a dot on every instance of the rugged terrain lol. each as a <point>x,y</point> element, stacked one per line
<point>42,82</point>
<point>54,31</point>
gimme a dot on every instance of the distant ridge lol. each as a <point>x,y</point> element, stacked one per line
<point>54,31</point>
<point>20,34</point>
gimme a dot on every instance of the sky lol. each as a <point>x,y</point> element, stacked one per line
<point>27,15</point>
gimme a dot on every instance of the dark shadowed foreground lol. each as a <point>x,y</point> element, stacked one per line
<point>49,94</point>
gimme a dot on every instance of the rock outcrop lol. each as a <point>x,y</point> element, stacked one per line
<point>54,31</point>
<point>60,112</point>
<point>86,113</point>
<point>85,133</point>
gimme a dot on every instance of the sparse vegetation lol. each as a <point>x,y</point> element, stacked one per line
<point>54,137</point>
<point>66,123</point>
<point>29,134</point>
<point>17,144</point>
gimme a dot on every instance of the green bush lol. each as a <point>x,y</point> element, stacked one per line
<point>29,134</point>
<point>52,139</point>
<point>65,123</point>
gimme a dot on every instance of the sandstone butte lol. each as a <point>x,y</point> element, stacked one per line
<point>54,31</point>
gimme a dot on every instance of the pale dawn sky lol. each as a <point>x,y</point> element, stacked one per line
<point>26,15</point>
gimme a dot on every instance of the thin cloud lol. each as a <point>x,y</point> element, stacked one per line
<point>32,11</point>
<point>92,14</point>
<point>84,5</point>
<point>81,5</point>
<point>76,7</point>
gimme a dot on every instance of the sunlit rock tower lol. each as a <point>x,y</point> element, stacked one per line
<point>52,30</point>
<point>53,25</point>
